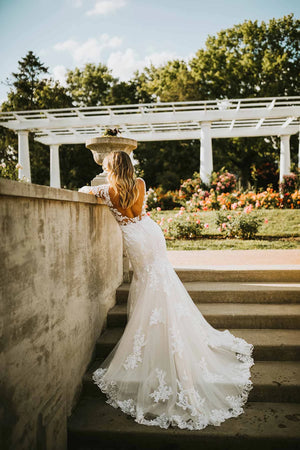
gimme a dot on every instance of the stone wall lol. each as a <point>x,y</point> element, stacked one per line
<point>61,261</point>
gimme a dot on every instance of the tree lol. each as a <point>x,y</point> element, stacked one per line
<point>30,89</point>
<point>172,82</point>
<point>247,60</point>
<point>91,85</point>
<point>25,83</point>
<point>250,60</point>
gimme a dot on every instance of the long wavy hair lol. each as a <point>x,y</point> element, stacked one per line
<point>121,177</point>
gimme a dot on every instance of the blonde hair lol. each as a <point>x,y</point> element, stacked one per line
<point>121,177</point>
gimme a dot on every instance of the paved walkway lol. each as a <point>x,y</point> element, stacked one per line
<point>195,258</point>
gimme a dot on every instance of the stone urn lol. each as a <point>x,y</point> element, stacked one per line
<point>102,146</point>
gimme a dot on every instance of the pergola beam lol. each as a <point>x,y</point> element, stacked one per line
<point>173,135</point>
<point>154,118</point>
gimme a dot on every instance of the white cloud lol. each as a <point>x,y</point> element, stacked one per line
<point>59,73</point>
<point>90,50</point>
<point>124,64</point>
<point>66,45</point>
<point>77,3</point>
<point>104,7</point>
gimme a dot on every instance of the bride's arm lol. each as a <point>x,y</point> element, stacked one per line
<point>95,190</point>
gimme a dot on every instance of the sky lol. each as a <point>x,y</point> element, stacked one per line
<point>126,35</point>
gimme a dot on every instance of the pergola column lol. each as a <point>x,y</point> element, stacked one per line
<point>285,156</point>
<point>54,166</point>
<point>206,158</point>
<point>23,155</point>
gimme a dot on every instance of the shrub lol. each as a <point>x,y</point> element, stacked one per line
<point>223,181</point>
<point>165,200</point>
<point>182,229</point>
<point>290,183</point>
<point>182,226</point>
<point>241,224</point>
<point>190,186</point>
<point>9,170</point>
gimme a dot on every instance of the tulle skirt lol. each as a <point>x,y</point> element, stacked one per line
<point>171,367</point>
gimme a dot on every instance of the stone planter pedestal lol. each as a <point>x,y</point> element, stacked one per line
<point>102,146</point>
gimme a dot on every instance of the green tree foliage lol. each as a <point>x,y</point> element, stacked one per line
<point>172,82</point>
<point>172,161</point>
<point>91,85</point>
<point>250,60</point>
<point>247,60</point>
<point>31,89</point>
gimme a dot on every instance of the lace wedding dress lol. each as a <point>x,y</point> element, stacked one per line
<point>170,367</point>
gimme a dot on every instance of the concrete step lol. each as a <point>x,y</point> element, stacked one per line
<point>233,292</point>
<point>269,344</point>
<point>278,380</point>
<point>268,426</point>
<point>227,315</point>
<point>241,273</point>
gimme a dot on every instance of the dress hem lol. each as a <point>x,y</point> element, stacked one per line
<point>196,422</point>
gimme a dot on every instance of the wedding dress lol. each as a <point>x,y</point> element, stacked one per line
<point>170,367</point>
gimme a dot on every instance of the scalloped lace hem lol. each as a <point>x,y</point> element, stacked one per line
<point>195,422</point>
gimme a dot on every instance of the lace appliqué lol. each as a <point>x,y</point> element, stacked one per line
<point>163,392</point>
<point>156,316</point>
<point>196,422</point>
<point>190,399</point>
<point>102,191</point>
<point>177,342</point>
<point>135,357</point>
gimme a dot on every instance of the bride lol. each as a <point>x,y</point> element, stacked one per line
<point>170,367</point>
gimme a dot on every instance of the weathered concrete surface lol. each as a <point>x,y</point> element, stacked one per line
<point>61,262</point>
<point>264,426</point>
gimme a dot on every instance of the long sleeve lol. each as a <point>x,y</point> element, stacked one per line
<point>98,191</point>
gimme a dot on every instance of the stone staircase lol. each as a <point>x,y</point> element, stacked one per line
<point>261,306</point>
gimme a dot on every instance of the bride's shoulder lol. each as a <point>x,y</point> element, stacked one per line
<point>141,181</point>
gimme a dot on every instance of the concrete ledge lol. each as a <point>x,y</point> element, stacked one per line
<point>21,189</point>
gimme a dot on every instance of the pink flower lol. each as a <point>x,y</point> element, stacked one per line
<point>182,208</point>
<point>148,214</point>
<point>229,217</point>
<point>223,206</point>
<point>206,225</point>
<point>158,208</point>
<point>180,213</point>
<point>188,218</point>
<point>219,229</point>
<point>165,230</point>
<point>234,205</point>
<point>169,219</point>
<point>266,221</point>
<point>205,208</point>
<point>248,209</point>
<point>198,221</point>
<point>224,225</point>
<point>146,206</point>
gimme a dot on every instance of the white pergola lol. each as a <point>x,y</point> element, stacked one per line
<point>203,120</point>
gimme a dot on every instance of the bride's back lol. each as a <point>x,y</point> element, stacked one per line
<point>135,209</point>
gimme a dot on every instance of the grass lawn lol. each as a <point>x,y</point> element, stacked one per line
<point>281,232</point>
